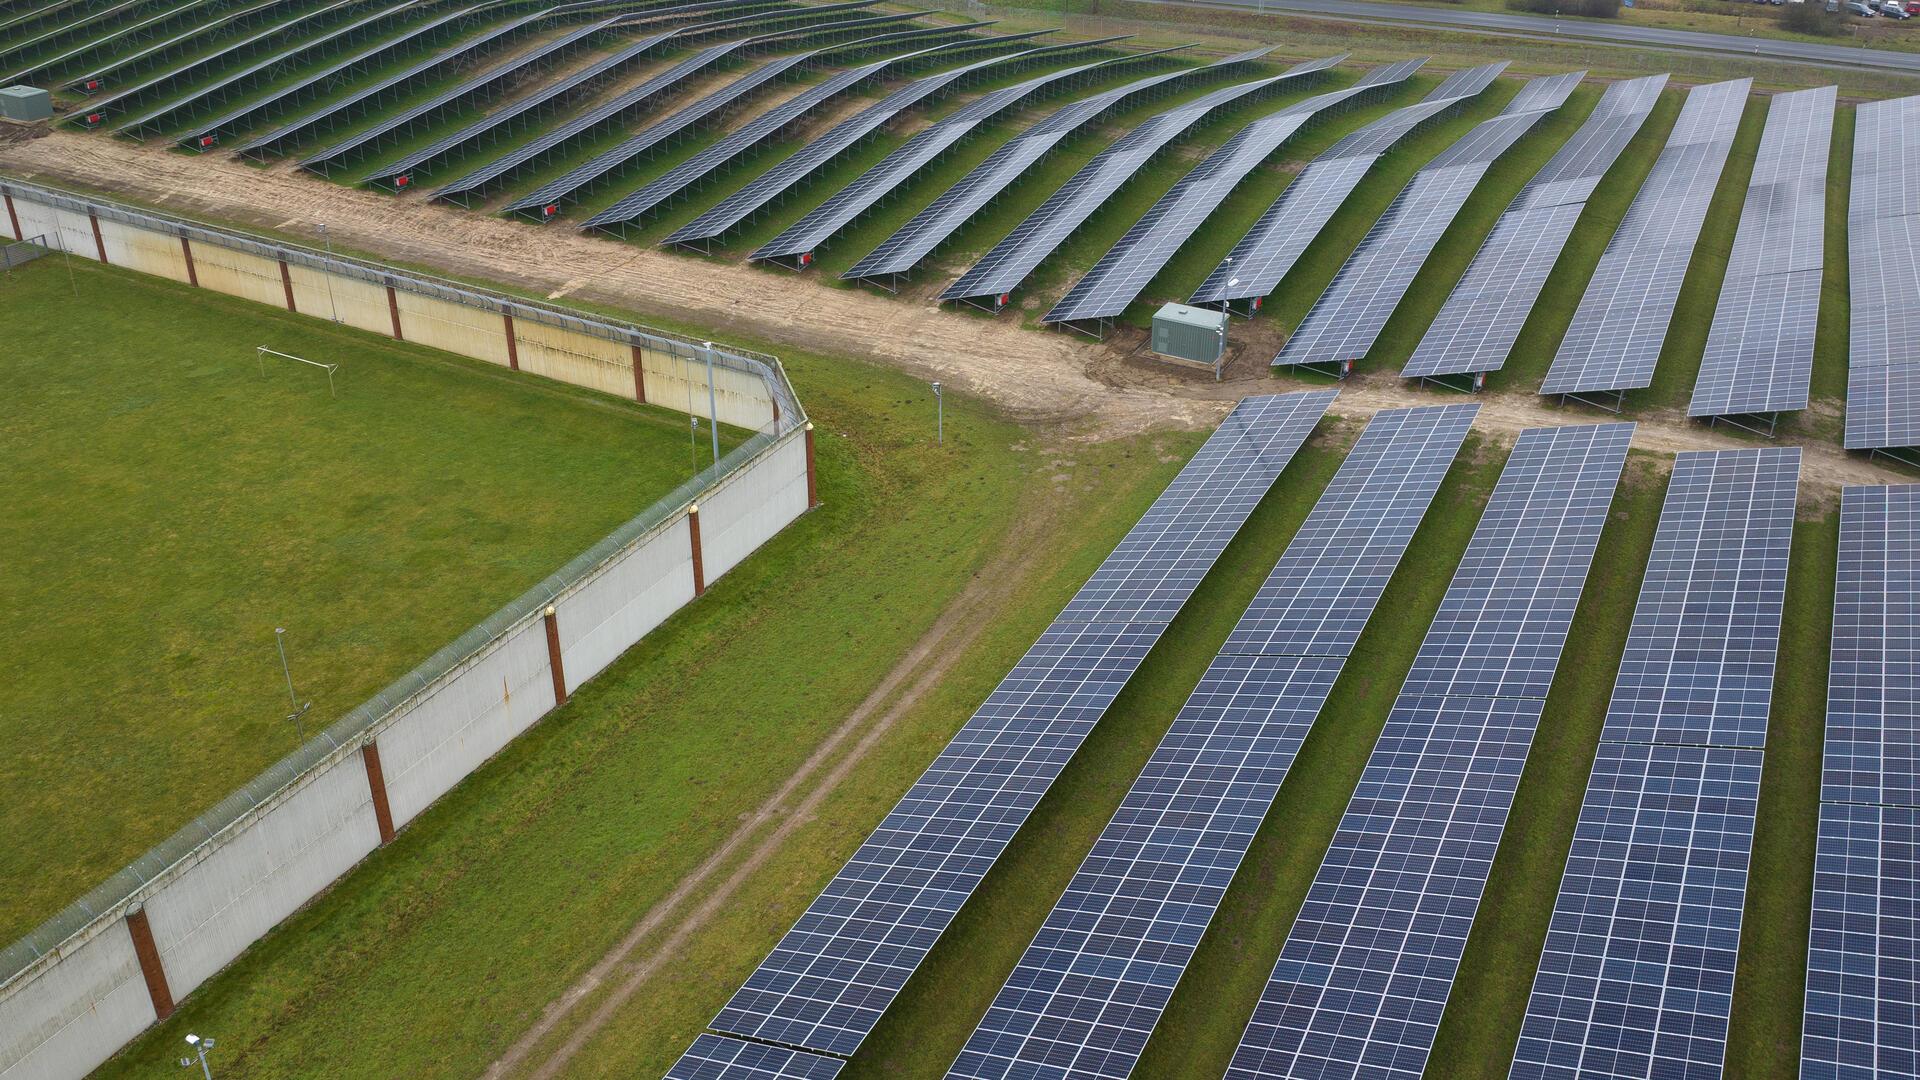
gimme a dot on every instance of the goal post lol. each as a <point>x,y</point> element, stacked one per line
<point>262,352</point>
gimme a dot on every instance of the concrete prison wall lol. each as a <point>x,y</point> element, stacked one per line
<point>93,977</point>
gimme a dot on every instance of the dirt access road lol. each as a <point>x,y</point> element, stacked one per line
<point>1087,389</point>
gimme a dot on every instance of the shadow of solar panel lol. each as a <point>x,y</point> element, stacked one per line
<point>829,979</point>
<point>713,1057</point>
<point>1090,988</point>
<point>1637,976</point>
<point>1862,994</point>
<point>1759,353</point>
<point>1616,334</point>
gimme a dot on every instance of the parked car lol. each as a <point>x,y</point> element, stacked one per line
<point>1855,7</point>
<point>1892,9</point>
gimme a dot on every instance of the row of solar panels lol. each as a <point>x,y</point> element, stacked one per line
<point>1635,979</point>
<point>1758,357</point>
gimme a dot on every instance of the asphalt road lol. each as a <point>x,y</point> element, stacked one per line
<point>1547,27</point>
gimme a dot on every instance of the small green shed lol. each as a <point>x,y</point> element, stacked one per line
<point>25,103</point>
<point>1191,335</point>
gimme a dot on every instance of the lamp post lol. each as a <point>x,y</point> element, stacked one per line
<point>200,1046</point>
<point>713,409</point>
<point>939,417</point>
<point>296,712</point>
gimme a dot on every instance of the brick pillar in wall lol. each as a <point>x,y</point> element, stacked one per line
<point>150,969</point>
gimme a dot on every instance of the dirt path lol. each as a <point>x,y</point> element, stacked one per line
<point>1098,388</point>
<point>924,665</point>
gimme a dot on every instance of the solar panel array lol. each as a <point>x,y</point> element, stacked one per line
<point>120,66</point>
<point>125,23</point>
<point>454,141</point>
<point>1615,337</point>
<point>1345,320</point>
<point>1275,242</point>
<point>1482,317</point>
<point>340,108</point>
<point>1127,267</point>
<point>256,108</point>
<point>832,976</point>
<point>1636,979</point>
<point>685,175</point>
<point>1030,242</point>
<point>820,224</point>
<point>486,80</point>
<point>1090,988</point>
<point>916,239</point>
<point>1883,339</point>
<point>1759,355</point>
<point>168,81</point>
<point>1369,964</point>
<point>762,190</point>
<point>674,77</point>
<point>129,32</point>
<point>1863,990</point>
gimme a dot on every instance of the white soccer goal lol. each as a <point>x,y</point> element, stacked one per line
<point>261,353</point>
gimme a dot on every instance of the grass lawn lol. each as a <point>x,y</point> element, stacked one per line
<point>447,944</point>
<point>170,505</point>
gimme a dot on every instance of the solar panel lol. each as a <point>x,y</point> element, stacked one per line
<point>680,178</point>
<point>803,237</point>
<point>1125,270</point>
<point>1883,354</point>
<point>1698,666</point>
<point>199,67</point>
<point>1636,979</point>
<point>1001,269</point>
<point>453,142</point>
<point>1616,335</point>
<point>1367,968</point>
<point>1862,992</point>
<point>257,108</point>
<point>1344,322</point>
<point>1089,990</point>
<point>124,20</point>
<point>915,240</point>
<point>762,190</point>
<point>581,178</point>
<point>112,44</point>
<point>1759,354</point>
<point>1873,685</point>
<point>830,978</point>
<point>335,110</point>
<point>1637,976</point>
<point>714,1057</point>
<point>466,88</point>
<point>1481,319</point>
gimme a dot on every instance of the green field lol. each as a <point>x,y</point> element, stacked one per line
<point>169,505</point>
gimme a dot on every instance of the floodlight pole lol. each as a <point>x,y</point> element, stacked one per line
<point>939,417</point>
<point>328,241</point>
<point>200,1046</point>
<point>295,711</point>
<point>713,407</point>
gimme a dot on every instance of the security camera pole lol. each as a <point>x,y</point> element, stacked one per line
<point>939,417</point>
<point>202,1046</point>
